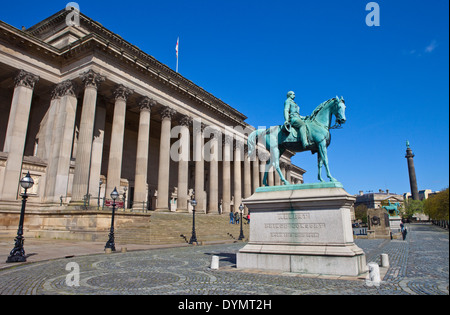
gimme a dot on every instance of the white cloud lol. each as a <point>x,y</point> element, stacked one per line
<point>431,47</point>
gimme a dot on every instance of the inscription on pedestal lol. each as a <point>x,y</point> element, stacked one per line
<point>293,226</point>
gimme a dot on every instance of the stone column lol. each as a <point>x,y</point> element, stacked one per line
<point>239,146</point>
<point>92,81</point>
<point>288,172</point>
<point>121,94</point>
<point>283,169</point>
<point>256,173</point>
<point>247,175</point>
<point>226,174</point>
<point>16,132</point>
<point>213,207</point>
<point>277,178</point>
<point>270,176</point>
<point>97,155</point>
<point>199,167</point>
<point>183,164</point>
<point>140,178</point>
<point>162,203</point>
<point>57,178</point>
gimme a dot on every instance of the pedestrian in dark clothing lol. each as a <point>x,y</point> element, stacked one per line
<point>404,232</point>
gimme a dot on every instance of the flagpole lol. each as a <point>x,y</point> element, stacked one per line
<point>178,42</point>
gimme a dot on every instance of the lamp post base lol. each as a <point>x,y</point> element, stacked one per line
<point>17,254</point>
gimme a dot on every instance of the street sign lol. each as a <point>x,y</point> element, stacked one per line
<point>109,203</point>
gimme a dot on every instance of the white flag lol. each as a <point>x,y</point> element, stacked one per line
<point>176,48</point>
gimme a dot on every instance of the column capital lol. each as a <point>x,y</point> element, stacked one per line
<point>146,104</point>
<point>122,93</point>
<point>185,121</point>
<point>228,140</point>
<point>26,79</point>
<point>198,127</point>
<point>92,79</point>
<point>167,112</point>
<point>238,144</point>
<point>66,88</point>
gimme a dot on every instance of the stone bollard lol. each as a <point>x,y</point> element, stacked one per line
<point>384,260</point>
<point>215,263</point>
<point>374,273</point>
<point>108,251</point>
<point>123,249</point>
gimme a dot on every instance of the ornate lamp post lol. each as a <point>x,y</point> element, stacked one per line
<point>100,183</point>
<point>241,235</point>
<point>194,236</point>
<point>110,243</point>
<point>18,253</point>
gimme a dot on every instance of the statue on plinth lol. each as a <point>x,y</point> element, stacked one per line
<point>294,134</point>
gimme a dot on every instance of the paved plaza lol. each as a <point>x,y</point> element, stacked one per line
<point>418,265</point>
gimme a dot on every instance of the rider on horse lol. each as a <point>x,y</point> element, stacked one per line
<point>293,118</point>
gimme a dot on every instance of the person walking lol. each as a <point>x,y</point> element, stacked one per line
<point>231,218</point>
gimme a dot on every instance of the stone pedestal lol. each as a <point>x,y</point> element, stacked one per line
<point>394,222</point>
<point>303,228</point>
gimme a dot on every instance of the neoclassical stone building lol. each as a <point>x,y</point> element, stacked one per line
<point>85,111</point>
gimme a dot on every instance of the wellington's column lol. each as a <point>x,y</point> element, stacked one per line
<point>226,174</point>
<point>140,178</point>
<point>91,81</point>
<point>412,172</point>
<point>121,94</point>
<point>239,146</point>
<point>199,167</point>
<point>183,164</point>
<point>16,132</point>
<point>162,203</point>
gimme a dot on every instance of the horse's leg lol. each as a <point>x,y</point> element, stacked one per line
<point>319,165</point>
<point>323,152</point>
<point>276,153</point>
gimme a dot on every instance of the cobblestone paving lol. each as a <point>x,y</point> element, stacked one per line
<point>418,265</point>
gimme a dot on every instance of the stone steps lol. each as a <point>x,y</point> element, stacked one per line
<point>176,228</point>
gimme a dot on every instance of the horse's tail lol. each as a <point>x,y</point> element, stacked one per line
<point>252,138</point>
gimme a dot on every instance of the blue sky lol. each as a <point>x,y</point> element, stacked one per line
<point>250,53</point>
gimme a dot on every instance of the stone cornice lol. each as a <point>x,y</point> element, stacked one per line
<point>105,40</point>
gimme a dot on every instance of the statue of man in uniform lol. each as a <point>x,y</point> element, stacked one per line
<point>292,117</point>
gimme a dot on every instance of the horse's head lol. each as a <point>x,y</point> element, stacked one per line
<point>340,110</point>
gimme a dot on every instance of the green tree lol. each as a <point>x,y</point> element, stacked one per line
<point>412,207</point>
<point>437,206</point>
<point>361,213</point>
